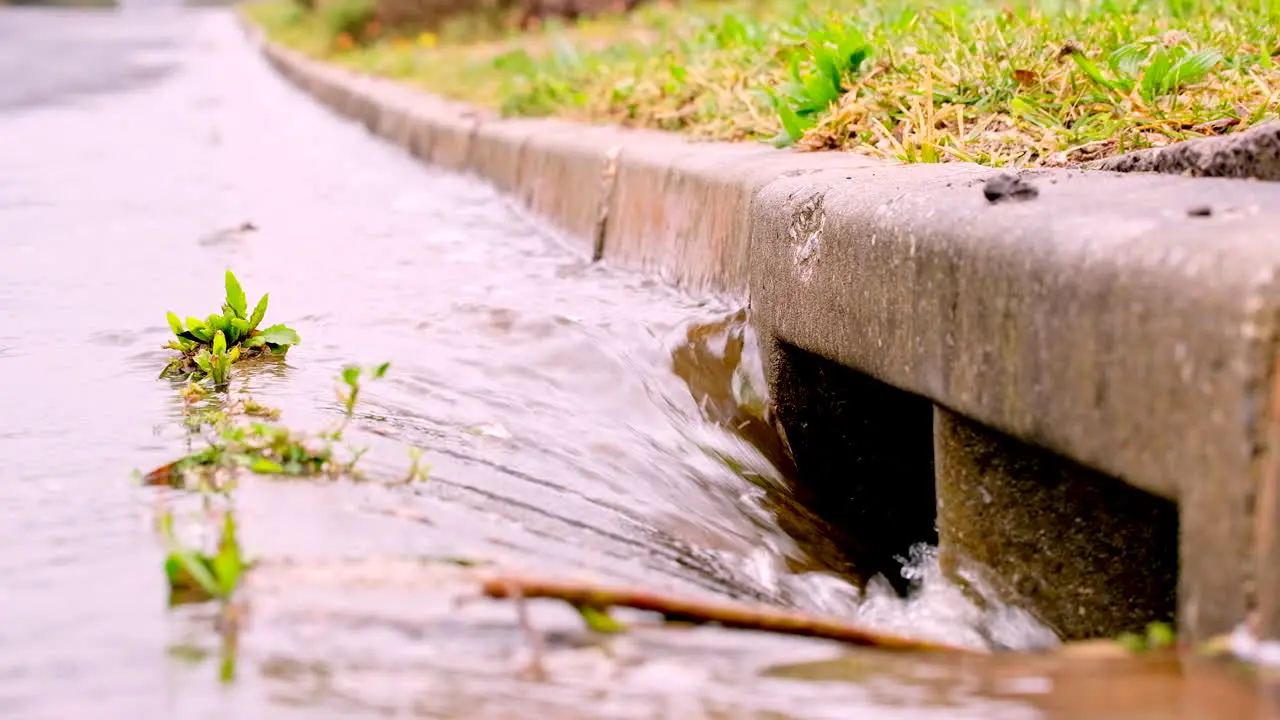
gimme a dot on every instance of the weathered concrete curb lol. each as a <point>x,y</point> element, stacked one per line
<point>1126,324</point>
<point>1252,153</point>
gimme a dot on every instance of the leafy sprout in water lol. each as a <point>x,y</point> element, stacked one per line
<point>198,341</point>
<point>197,577</point>
<point>259,447</point>
<point>268,448</point>
<point>350,394</point>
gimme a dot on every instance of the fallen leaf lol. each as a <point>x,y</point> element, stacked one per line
<point>1026,77</point>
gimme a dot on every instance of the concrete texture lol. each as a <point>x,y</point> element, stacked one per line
<point>1125,322</point>
<point>1092,556</point>
<point>1252,153</point>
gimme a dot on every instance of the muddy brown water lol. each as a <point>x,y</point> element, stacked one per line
<point>579,421</point>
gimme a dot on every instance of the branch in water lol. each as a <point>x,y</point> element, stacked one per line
<point>694,610</point>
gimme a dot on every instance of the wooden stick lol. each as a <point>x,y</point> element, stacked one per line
<point>727,614</point>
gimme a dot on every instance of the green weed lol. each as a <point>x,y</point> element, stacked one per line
<point>1159,636</point>
<point>350,392</point>
<point>195,576</point>
<point>832,53</point>
<point>208,347</point>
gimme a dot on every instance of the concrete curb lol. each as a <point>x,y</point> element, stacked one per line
<point>1125,323</point>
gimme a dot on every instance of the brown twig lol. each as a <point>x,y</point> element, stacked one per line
<point>727,614</point>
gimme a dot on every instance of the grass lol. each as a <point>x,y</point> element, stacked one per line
<point>1018,83</point>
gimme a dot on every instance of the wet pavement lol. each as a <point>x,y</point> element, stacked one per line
<point>573,417</point>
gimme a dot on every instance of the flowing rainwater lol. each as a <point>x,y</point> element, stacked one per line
<point>579,421</point>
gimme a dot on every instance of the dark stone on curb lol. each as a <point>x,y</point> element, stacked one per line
<point>1005,186</point>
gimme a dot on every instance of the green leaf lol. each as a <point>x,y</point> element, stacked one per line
<point>179,558</point>
<point>350,374</point>
<point>253,342</point>
<point>1155,78</point>
<point>1192,68</point>
<point>198,330</point>
<point>227,564</point>
<point>258,312</point>
<point>381,370</point>
<point>598,620</point>
<point>792,123</point>
<point>1020,107</point>
<point>235,295</point>
<point>266,466</point>
<point>239,329</point>
<point>175,324</point>
<point>1161,635</point>
<point>279,335</point>
<point>1127,59</point>
<point>1092,71</point>
<point>219,343</point>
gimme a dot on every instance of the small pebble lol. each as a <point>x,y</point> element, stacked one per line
<point>1200,211</point>
<point>1008,187</point>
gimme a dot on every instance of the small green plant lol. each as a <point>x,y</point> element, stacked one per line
<point>216,361</point>
<point>211,345</point>
<point>195,576</point>
<point>349,394</point>
<point>259,447</point>
<point>1159,636</point>
<point>1150,68</point>
<point>835,52</point>
<point>267,448</point>
<point>418,470</point>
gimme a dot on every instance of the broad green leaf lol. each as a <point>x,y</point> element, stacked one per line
<point>1127,59</point>
<point>175,324</point>
<point>219,343</point>
<point>1155,79</point>
<point>279,335</point>
<point>253,342</point>
<point>259,312</point>
<point>1192,68</point>
<point>792,123</point>
<point>350,374</point>
<point>195,566</point>
<point>239,329</point>
<point>235,295</point>
<point>181,558</point>
<point>598,620</point>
